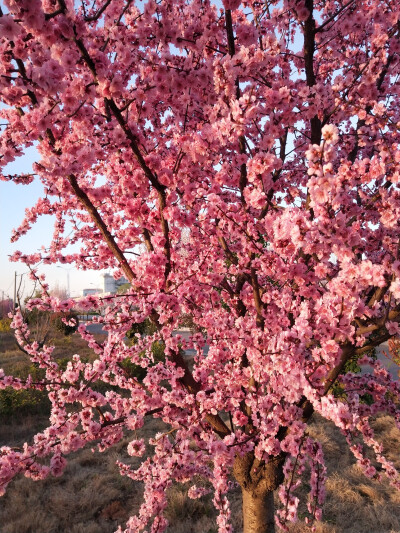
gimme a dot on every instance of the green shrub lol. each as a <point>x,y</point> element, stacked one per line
<point>5,325</point>
<point>35,316</point>
<point>61,326</point>
<point>137,371</point>
<point>16,403</point>
<point>143,328</point>
<point>44,320</point>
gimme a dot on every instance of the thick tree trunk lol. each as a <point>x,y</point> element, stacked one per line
<point>258,512</point>
<point>258,480</point>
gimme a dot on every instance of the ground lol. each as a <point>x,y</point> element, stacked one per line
<point>92,497</point>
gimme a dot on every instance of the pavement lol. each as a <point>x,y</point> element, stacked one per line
<point>382,352</point>
<point>185,333</point>
<point>93,327</point>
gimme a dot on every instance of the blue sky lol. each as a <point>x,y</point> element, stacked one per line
<point>14,199</point>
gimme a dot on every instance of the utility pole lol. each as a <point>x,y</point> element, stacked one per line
<point>15,291</point>
<point>68,291</point>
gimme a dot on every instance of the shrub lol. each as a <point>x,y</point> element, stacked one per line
<point>16,403</point>
<point>143,328</point>
<point>157,349</point>
<point>137,371</point>
<point>5,325</point>
<point>66,323</point>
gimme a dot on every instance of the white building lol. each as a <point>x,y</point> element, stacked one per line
<point>111,284</point>
<point>86,292</point>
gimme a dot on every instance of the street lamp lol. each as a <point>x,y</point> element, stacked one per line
<point>67,270</point>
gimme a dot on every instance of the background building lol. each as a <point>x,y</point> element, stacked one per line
<point>86,292</point>
<point>111,284</point>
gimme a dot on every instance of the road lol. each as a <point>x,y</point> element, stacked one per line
<point>94,328</point>
<point>185,333</point>
<point>387,363</point>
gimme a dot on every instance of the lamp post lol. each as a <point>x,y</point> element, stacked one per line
<point>67,270</point>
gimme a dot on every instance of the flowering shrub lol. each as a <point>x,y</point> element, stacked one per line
<point>239,165</point>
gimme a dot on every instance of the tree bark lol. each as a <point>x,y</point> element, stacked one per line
<point>258,481</point>
<point>258,512</point>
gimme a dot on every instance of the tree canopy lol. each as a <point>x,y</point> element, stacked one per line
<point>239,165</point>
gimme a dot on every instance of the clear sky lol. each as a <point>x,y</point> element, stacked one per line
<point>14,199</point>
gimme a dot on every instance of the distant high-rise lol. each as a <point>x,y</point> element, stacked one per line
<point>111,284</point>
<point>86,292</point>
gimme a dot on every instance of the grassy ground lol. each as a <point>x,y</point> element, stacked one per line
<point>91,497</point>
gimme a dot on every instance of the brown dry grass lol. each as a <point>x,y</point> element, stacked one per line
<point>91,496</point>
<point>354,503</point>
<point>13,359</point>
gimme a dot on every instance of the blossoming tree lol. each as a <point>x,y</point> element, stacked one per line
<point>238,163</point>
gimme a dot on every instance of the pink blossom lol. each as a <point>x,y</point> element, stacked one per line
<point>330,134</point>
<point>231,4</point>
<point>9,28</point>
<point>136,448</point>
<point>393,328</point>
<point>395,288</point>
<point>57,465</point>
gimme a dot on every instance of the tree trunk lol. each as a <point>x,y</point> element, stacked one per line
<point>258,512</point>
<point>258,481</point>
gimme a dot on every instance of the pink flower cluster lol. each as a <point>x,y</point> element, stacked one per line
<point>243,184</point>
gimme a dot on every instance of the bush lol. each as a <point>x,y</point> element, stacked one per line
<point>35,316</point>
<point>45,321</point>
<point>143,328</point>
<point>5,325</point>
<point>66,323</point>
<point>16,403</point>
<point>157,349</point>
<point>137,371</point>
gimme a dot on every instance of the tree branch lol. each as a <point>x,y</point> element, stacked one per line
<point>98,13</point>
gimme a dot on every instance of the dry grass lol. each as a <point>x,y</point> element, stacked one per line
<point>354,503</point>
<point>7,342</point>
<point>92,497</point>
<point>12,359</point>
